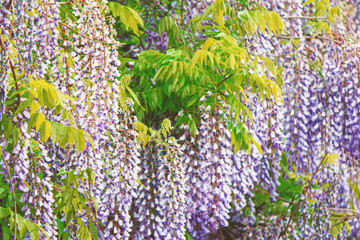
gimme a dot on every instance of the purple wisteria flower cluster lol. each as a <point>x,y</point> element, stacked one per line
<point>159,210</point>
<point>31,60</point>
<point>92,79</point>
<point>219,180</point>
<point>201,187</point>
<point>4,61</point>
<point>321,99</point>
<point>268,130</point>
<point>152,15</point>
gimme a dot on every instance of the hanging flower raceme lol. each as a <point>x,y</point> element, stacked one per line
<point>118,184</point>
<point>268,130</point>
<point>17,56</point>
<point>159,210</point>
<point>91,76</point>
<point>4,63</point>
<point>215,176</point>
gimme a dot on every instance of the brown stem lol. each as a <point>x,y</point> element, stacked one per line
<point>308,37</point>
<point>303,17</point>
<point>87,37</point>
<point>344,219</point>
<point>12,67</point>
<point>283,232</point>
<point>224,80</point>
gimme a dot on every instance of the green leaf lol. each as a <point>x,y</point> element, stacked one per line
<point>65,12</point>
<point>348,228</point>
<point>257,145</point>
<point>7,125</point>
<point>57,132</point>
<point>168,25</point>
<point>188,236</point>
<point>192,126</point>
<point>91,175</point>
<point>140,183</point>
<point>4,212</point>
<point>93,231</point>
<point>296,188</point>
<point>68,137</point>
<point>278,25</point>
<point>6,232</point>
<point>83,232</point>
<point>192,100</point>
<point>33,230</point>
<point>24,104</point>
<point>128,16</point>
<point>21,225</point>
<point>166,124</point>
<point>331,159</point>
<point>89,138</point>
<point>269,21</point>
<point>34,107</point>
<point>15,135</point>
<point>70,61</point>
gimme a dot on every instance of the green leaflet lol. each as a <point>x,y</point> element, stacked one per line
<point>129,17</point>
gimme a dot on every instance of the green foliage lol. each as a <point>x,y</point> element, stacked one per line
<point>36,95</point>
<point>323,11</point>
<point>128,16</point>
<point>168,82</point>
<point>170,27</point>
<point>147,134</point>
<point>71,203</point>
<point>7,216</point>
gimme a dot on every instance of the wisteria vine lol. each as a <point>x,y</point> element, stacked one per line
<point>263,97</point>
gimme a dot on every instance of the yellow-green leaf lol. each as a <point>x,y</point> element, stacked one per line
<point>278,24</point>
<point>208,43</point>
<point>45,131</point>
<point>134,97</point>
<point>79,140</point>
<point>257,145</point>
<point>34,107</point>
<point>36,120</point>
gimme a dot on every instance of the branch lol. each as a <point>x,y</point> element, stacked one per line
<point>87,37</point>
<point>132,49</point>
<point>60,3</point>
<point>344,219</point>
<point>12,67</point>
<point>224,80</point>
<point>342,209</point>
<point>303,17</point>
<point>282,233</point>
<point>309,37</point>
